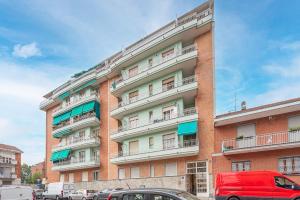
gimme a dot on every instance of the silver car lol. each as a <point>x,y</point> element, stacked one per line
<point>83,195</point>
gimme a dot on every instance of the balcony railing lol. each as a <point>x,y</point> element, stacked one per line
<point>167,145</point>
<point>76,101</point>
<point>183,51</point>
<point>75,161</point>
<point>77,140</point>
<point>8,176</point>
<point>8,162</point>
<point>73,120</point>
<point>274,139</point>
<point>186,112</point>
<point>196,15</point>
<point>164,88</point>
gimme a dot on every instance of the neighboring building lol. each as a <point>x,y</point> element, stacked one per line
<point>145,112</point>
<point>260,138</point>
<point>10,165</point>
<point>38,168</point>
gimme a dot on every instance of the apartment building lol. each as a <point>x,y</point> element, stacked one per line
<point>38,168</point>
<point>10,165</point>
<point>260,138</point>
<point>144,116</point>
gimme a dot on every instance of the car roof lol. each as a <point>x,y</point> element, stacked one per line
<point>163,190</point>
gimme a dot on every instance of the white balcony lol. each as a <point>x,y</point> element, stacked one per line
<point>78,143</point>
<point>74,164</point>
<point>266,142</point>
<point>8,162</point>
<point>83,121</point>
<point>8,176</point>
<point>187,27</point>
<point>93,96</point>
<point>188,148</point>
<point>187,88</point>
<point>156,125</point>
<point>185,59</point>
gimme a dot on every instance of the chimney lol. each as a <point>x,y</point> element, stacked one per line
<point>243,105</point>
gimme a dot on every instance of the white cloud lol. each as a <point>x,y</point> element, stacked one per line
<point>27,50</point>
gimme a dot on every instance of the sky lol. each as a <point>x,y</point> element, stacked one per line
<point>43,43</point>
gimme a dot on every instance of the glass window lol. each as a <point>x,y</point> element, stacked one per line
<point>121,172</point>
<point>168,84</point>
<point>238,166</point>
<point>134,197</point>
<point>135,172</point>
<point>133,71</point>
<point>289,165</point>
<point>283,182</point>
<point>151,142</point>
<point>96,175</point>
<point>159,197</point>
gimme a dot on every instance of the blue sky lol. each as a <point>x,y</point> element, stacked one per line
<point>43,43</point>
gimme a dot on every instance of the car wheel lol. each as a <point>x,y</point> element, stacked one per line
<point>233,198</point>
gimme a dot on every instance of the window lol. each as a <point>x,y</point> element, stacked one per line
<point>135,172</point>
<point>167,54</point>
<point>133,96</point>
<point>150,90</point>
<point>96,175</point>
<point>62,178</point>
<point>159,197</point>
<point>150,62</point>
<point>134,197</point>
<point>294,122</point>
<point>246,136</point>
<point>84,176</point>
<point>289,165</point>
<point>71,178</point>
<point>133,71</point>
<point>133,147</point>
<point>168,84</point>
<point>152,170</point>
<point>283,182</point>
<point>171,169</point>
<point>151,142</point>
<point>169,112</point>
<point>121,173</point>
<point>81,156</point>
<point>238,166</point>
<point>133,121</point>
<point>95,154</point>
<point>150,116</point>
<point>169,141</point>
<point>81,134</point>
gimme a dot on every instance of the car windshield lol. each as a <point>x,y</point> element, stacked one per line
<point>284,182</point>
<point>187,196</point>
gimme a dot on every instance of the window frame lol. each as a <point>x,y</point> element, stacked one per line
<point>237,162</point>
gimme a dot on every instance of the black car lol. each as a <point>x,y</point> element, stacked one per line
<point>147,194</point>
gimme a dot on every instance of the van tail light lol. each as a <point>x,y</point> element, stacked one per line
<point>109,197</point>
<point>62,193</point>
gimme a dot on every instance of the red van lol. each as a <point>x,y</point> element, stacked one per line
<point>255,185</point>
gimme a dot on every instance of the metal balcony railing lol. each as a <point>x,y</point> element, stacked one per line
<point>186,112</point>
<point>73,120</point>
<point>4,160</point>
<point>76,140</point>
<point>183,51</point>
<point>8,175</point>
<point>162,89</point>
<point>75,161</point>
<point>167,145</point>
<point>75,101</point>
<point>279,138</point>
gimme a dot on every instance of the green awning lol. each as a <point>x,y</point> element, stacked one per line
<point>65,116</point>
<point>60,155</point>
<point>62,133</point>
<point>77,111</point>
<point>88,107</point>
<point>91,82</point>
<point>64,95</point>
<point>188,128</point>
<point>56,120</point>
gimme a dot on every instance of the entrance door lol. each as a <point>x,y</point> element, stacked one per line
<point>197,178</point>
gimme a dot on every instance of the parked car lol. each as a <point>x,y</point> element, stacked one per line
<point>38,193</point>
<point>16,193</point>
<point>83,195</point>
<point>58,190</point>
<point>255,185</point>
<point>147,194</point>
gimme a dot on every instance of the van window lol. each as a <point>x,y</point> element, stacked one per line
<point>159,197</point>
<point>283,182</point>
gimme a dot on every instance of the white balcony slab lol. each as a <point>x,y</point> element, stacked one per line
<point>75,165</point>
<point>157,155</point>
<point>152,128</point>
<point>91,121</point>
<point>91,142</point>
<point>186,91</point>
